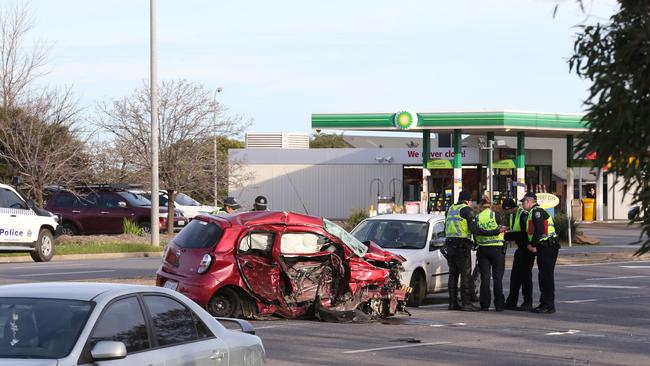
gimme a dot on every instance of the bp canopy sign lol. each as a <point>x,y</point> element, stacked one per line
<point>405,120</point>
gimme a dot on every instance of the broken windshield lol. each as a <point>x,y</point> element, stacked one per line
<point>350,241</point>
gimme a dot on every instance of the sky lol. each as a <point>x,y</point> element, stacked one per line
<point>280,61</point>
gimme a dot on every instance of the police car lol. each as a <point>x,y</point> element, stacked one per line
<point>25,227</point>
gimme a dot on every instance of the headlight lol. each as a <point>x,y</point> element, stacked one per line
<point>205,264</point>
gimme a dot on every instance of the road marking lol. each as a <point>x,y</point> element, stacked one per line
<point>601,264</point>
<point>51,266</point>
<point>569,332</point>
<point>601,286</point>
<point>636,267</point>
<point>64,273</point>
<point>614,278</point>
<point>396,347</point>
<point>577,301</point>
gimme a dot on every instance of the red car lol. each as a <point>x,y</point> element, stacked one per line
<point>256,264</point>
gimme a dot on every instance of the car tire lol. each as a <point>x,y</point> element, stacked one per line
<point>68,228</point>
<point>44,249</point>
<point>145,226</point>
<point>225,303</point>
<point>419,290</point>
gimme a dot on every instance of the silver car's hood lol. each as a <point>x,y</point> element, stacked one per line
<point>24,362</point>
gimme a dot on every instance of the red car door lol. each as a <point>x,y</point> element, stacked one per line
<point>258,269</point>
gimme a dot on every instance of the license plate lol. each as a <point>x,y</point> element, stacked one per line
<point>181,222</point>
<point>172,285</point>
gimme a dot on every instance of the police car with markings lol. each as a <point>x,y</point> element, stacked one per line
<point>25,227</point>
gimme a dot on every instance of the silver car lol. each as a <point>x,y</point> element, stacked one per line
<point>115,324</point>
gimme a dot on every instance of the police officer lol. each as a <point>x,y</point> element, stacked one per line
<point>521,275</point>
<point>460,224</point>
<point>230,205</point>
<point>260,203</point>
<point>543,241</point>
<point>491,256</point>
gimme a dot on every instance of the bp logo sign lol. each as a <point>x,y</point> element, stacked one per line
<point>405,120</point>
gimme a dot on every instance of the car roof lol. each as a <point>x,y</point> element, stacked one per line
<point>272,218</point>
<point>408,217</point>
<point>85,291</point>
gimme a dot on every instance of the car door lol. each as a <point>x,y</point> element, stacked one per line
<point>123,321</point>
<point>257,267</point>
<point>438,268</point>
<point>88,215</point>
<point>15,219</point>
<point>112,210</point>
<point>181,337</point>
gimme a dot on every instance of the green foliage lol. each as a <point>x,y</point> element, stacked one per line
<point>356,216</point>
<point>614,57</point>
<point>561,226</point>
<point>130,227</point>
<point>323,141</point>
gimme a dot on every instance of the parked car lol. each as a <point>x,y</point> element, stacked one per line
<point>418,238</point>
<point>190,207</point>
<point>255,264</point>
<point>68,324</point>
<point>25,227</point>
<point>103,210</point>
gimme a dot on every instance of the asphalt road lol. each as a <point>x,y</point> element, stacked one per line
<point>603,319</point>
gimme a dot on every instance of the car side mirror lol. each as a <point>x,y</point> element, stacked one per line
<point>436,243</point>
<point>121,204</point>
<point>108,350</point>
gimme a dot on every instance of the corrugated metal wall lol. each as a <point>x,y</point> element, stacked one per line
<point>330,191</point>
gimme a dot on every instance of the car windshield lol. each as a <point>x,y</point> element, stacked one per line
<point>350,241</point>
<point>185,200</point>
<point>41,328</point>
<point>135,199</point>
<point>393,234</point>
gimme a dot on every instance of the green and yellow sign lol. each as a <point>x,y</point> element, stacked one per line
<point>405,120</point>
<point>504,164</point>
<point>439,164</point>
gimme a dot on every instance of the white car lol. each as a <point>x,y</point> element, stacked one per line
<point>418,238</point>
<point>66,324</point>
<point>25,227</point>
<point>183,202</point>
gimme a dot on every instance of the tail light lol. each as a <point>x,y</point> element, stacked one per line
<point>205,264</point>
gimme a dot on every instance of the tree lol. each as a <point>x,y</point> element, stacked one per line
<point>189,115</point>
<point>615,58</point>
<point>323,141</point>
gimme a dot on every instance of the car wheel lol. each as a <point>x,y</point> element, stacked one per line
<point>225,303</point>
<point>44,249</point>
<point>145,226</point>
<point>68,228</point>
<point>419,290</point>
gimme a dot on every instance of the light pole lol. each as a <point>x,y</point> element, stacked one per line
<point>489,146</point>
<point>155,221</point>
<point>214,131</point>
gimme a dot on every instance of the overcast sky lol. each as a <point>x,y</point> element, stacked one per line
<point>279,61</point>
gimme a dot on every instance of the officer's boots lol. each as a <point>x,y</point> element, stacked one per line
<point>453,300</point>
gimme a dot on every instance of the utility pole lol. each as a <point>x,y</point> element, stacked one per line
<point>155,221</point>
<point>214,131</point>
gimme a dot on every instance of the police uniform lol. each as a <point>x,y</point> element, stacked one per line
<point>542,236</point>
<point>459,227</point>
<point>491,259</point>
<point>521,275</point>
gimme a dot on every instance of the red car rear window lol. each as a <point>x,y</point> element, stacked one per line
<point>199,234</point>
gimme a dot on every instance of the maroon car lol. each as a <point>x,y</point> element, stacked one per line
<point>255,264</point>
<point>103,212</point>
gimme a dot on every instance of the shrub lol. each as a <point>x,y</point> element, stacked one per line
<point>130,227</point>
<point>356,216</point>
<point>561,226</point>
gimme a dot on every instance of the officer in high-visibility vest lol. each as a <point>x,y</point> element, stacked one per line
<point>230,205</point>
<point>460,224</point>
<point>543,241</point>
<point>521,275</point>
<point>491,256</point>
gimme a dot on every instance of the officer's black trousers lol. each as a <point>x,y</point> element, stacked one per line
<point>546,258</point>
<point>492,264</point>
<point>521,276</point>
<point>459,260</point>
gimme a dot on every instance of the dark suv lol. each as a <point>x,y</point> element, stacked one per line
<point>102,211</point>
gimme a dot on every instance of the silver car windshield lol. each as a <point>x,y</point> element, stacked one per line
<point>393,234</point>
<point>41,328</point>
<point>350,241</point>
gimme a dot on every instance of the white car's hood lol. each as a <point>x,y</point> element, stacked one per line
<point>24,362</point>
<point>413,256</point>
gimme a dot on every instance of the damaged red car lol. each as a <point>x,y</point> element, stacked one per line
<point>262,263</point>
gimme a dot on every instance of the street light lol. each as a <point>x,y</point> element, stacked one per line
<point>155,224</point>
<point>214,131</point>
<point>489,146</point>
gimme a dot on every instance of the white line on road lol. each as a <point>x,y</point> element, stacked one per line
<point>614,278</point>
<point>600,264</point>
<point>578,301</point>
<point>64,273</point>
<point>37,266</point>
<point>601,286</point>
<point>569,332</point>
<point>396,347</point>
<point>636,267</point>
